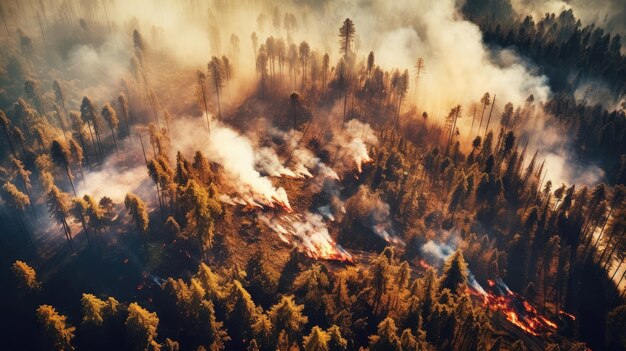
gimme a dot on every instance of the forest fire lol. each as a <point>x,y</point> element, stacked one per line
<point>265,182</point>
<point>309,234</point>
<point>422,263</point>
<point>498,297</point>
<point>360,161</point>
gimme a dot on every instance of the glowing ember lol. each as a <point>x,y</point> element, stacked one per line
<point>424,264</point>
<point>310,235</point>
<point>514,307</point>
<point>360,160</point>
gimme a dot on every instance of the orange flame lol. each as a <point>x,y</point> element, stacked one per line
<point>424,264</point>
<point>515,309</point>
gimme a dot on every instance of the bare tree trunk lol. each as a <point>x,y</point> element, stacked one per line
<point>114,141</point>
<point>69,177</point>
<point>490,111</point>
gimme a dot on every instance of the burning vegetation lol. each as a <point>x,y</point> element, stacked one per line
<point>238,176</point>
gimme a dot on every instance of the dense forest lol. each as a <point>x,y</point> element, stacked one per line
<point>293,175</point>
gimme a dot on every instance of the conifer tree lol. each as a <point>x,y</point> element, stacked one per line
<point>286,316</point>
<point>141,328</point>
<point>386,339</point>
<point>454,276</point>
<point>26,276</point>
<point>109,115</point>
<point>317,340</point>
<point>57,333</point>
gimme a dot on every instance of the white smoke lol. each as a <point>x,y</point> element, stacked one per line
<point>309,233</point>
<point>234,152</point>
<point>459,68</point>
<point>351,145</point>
<point>118,175</point>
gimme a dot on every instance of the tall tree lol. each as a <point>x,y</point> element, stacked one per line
<point>141,328</point>
<point>485,101</point>
<point>317,340</point>
<point>386,338</point>
<point>6,127</point>
<point>294,98</point>
<point>61,155</point>
<point>26,276</point>
<point>59,96</point>
<point>454,276</point>
<point>59,208</point>
<point>201,81</point>
<point>346,38</point>
<point>90,117</point>
<point>109,115</point>
<point>57,333</point>
<point>202,210</point>
<point>286,316</point>
<point>138,211</point>
<point>124,106</point>
<point>216,71</point>
<point>17,201</point>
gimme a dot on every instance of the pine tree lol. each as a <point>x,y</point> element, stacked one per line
<point>202,211</point>
<point>5,123</point>
<point>386,339</point>
<point>317,340</point>
<point>57,333</point>
<point>109,115</point>
<point>26,276</point>
<point>62,156</point>
<point>124,107</point>
<point>243,314</point>
<point>216,72</point>
<point>286,316</point>
<point>454,276</point>
<point>92,309</point>
<point>141,328</point>
<point>138,212</point>
<point>346,37</point>
<point>336,341</point>
<point>18,202</point>
<point>90,117</point>
<point>59,208</point>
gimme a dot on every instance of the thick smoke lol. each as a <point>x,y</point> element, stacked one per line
<point>607,14</point>
<point>371,212</point>
<point>234,152</point>
<point>307,232</point>
<point>351,145</point>
<point>548,137</point>
<point>459,68</point>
